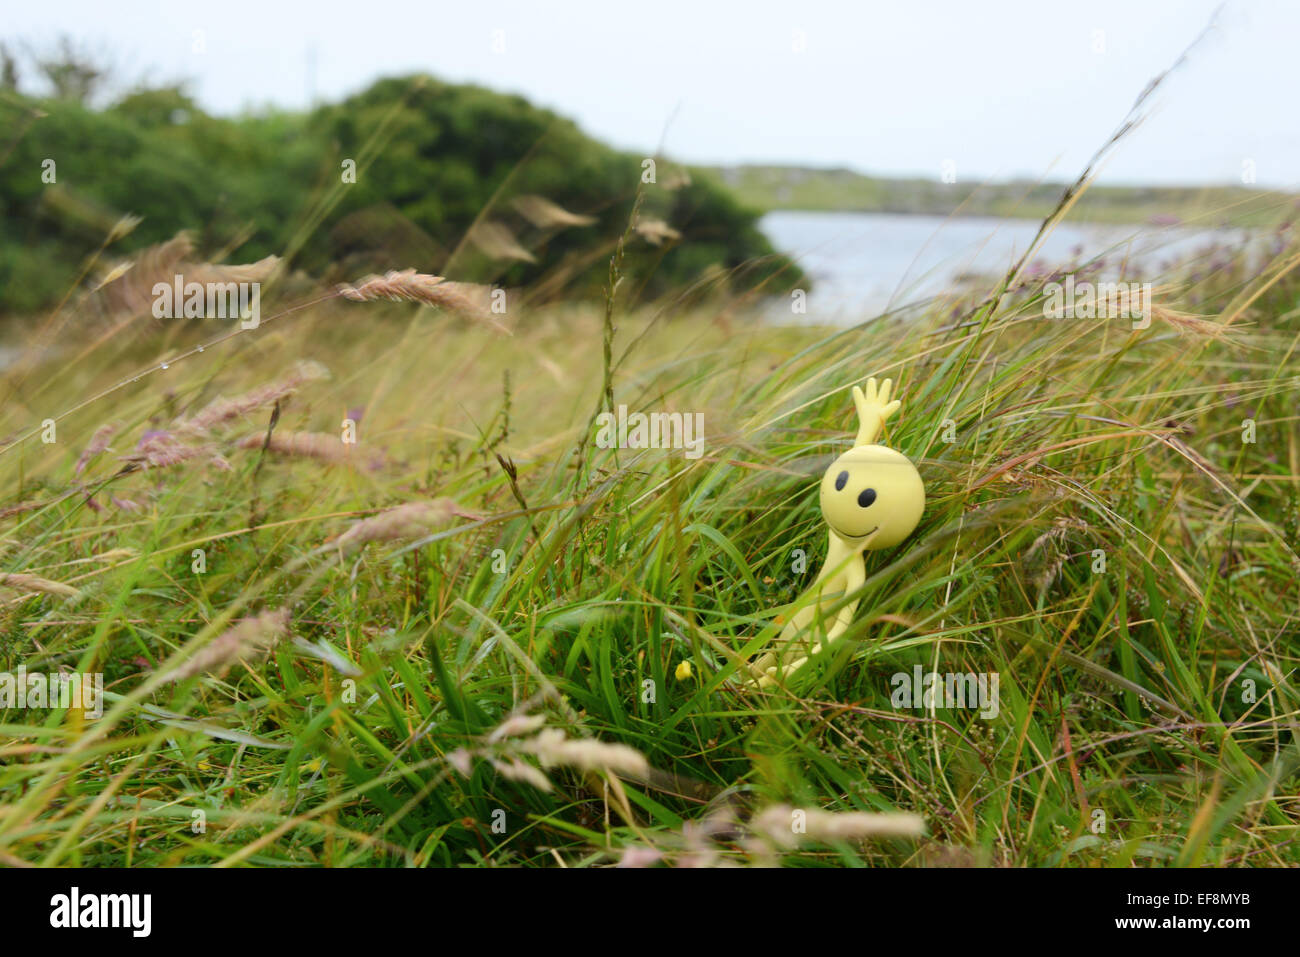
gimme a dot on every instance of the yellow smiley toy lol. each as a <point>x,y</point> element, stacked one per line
<point>871,497</point>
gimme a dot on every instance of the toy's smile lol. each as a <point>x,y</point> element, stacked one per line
<point>854,539</point>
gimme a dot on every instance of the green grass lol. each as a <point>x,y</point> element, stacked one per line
<point>593,573</point>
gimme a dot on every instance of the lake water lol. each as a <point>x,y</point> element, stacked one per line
<point>862,264</point>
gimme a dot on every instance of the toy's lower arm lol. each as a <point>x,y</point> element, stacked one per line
<point>855,575</point>
<point>846,576</point>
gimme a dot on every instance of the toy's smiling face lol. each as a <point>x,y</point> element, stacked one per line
<point>872,496</point>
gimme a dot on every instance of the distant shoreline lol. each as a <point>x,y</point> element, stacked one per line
<point>791,188</point>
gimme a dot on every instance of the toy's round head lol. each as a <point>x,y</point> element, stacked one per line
<point>872,497</point>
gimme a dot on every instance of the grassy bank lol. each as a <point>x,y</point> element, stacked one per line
<point>295,676</point>
<point>841,190</point>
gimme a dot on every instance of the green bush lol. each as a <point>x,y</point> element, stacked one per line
<point>432,158</point>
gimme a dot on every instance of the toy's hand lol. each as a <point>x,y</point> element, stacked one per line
<point>874,408</point>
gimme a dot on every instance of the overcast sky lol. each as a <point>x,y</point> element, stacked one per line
<point>999,88</point>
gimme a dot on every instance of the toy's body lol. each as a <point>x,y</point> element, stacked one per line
<point>871,497</point>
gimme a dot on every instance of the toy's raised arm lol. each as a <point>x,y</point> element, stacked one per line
<point>874,408</point>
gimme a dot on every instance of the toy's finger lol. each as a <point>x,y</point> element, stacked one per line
<point>891,409</point>
<point>871,388</point>
<point>858,397</point>
<point>883,395</point>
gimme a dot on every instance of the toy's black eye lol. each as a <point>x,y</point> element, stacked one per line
<point>866,497</point>
<point>841,480</point>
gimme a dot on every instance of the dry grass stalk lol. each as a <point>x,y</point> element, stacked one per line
<point>251,639</point>
<point>112,555</point>
<point>554,749</point>
<point>223,410</point>
<point>1045,550</point>
<point>788,827</point>
<point>516,725</point>
<point>516,770</point>
<point>313,445</point>
<point>124,226</point>
<point>1186,323</point>
<point>162,449</point>
<point>551,747</point>
<point>656,231</point>
<point>204,273</point>
<point>405,286</point>
<point>408,521</point>
<point>496,242</point>
<point>635,856</point>
<point>410,286</point>
<point>544,214</point>
<point>21,507</point>
<point>34,583</point>
<point>127,288</point>
<point>468,299</point>
<point>97,445</point>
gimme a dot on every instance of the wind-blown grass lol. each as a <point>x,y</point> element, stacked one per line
<point>494,681</point>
